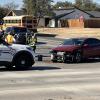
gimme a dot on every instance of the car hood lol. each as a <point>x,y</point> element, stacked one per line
<point>65,48</point>
<point>19,46</point>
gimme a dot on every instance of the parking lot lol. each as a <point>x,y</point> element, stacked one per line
<point>51,81</point>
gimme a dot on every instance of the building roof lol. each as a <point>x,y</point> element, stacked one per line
<point>94,13</point>
<point>17,12</point>
<point>62,11</point>
<point>71,16</point>
<point>62,15</point>
<point>74,13</point>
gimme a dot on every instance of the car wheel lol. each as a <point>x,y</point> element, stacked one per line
<point>23,62</point>
<point>54,57</point>
<point>64,59</point>
<point>67,58</point>
<point>77,57</point>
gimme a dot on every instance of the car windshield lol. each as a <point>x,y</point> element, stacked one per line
<point>20,30</point>
<point>73,42</point>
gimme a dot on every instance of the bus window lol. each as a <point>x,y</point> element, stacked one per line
<point>7,21</point>
<point>18,21</point>
<point>14,21</point>
<point>19,30</point>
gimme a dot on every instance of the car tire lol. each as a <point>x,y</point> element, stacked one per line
<point>64,59</point>
<point>67,59</point>
<point>23,62</point>
<point>77,57</point>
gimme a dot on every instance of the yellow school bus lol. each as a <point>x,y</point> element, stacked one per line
<point>27,21</point>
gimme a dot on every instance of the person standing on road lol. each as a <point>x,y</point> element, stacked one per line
<point>10,38</point>
<point>34,47</point>
<point>35,38</point>
<point>2,33</point>
<point>33,41</point>
<point>1,37</point>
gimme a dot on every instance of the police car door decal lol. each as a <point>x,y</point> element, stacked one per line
<point>6,53</point>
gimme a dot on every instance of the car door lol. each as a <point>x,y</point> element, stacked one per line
<point>5,53</point>
<point>96,44</point>
<point>89,48</point>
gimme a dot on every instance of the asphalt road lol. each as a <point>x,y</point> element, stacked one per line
<point>51,81</point>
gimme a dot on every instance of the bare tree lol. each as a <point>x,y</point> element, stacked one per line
<point>38,8</point>
<point>3,12</point>
<point>11,6</point>
<point>86,4</point>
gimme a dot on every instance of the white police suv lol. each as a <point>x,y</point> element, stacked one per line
<point>16,55</point>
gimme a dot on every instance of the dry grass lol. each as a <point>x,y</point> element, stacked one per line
<point>71,32</point>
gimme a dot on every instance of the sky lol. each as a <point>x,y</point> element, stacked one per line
<point>19,2</point>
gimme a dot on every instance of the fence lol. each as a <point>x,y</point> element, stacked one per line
<point>75,23</point>
<point>90,23</point>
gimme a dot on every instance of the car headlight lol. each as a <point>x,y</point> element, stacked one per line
<point>51,51</point>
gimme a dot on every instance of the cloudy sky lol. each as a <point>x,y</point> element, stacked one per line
<point>19,2</point>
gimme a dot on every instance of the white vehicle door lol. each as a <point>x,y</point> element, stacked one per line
<point>5,53</point>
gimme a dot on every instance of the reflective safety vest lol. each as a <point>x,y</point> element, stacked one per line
<point>9,39</point>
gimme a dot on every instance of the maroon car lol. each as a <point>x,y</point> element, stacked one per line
<point>76,49</point>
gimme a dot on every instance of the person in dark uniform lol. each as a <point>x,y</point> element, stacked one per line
<point>1,36</point>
